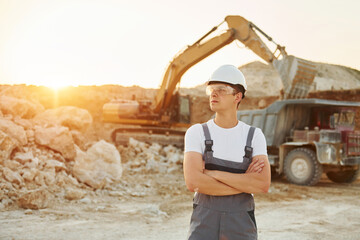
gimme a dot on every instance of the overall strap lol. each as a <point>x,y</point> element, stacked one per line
<point>248,149</point>
<point>208,142</point>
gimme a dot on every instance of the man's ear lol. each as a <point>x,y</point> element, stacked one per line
<point>238,97</point>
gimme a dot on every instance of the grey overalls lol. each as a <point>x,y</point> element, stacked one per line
<point>224,217</point>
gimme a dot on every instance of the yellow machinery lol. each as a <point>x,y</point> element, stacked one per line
<point>169,113</point>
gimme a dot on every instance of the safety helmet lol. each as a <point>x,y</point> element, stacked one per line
<point>228,74</point>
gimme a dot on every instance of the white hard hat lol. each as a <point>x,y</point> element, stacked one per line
<point>228,74</point>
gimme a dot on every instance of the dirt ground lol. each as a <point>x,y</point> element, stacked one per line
<point>160,208</point>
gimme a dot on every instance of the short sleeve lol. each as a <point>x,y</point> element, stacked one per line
<point>259,143</point>
<point>194,140</point>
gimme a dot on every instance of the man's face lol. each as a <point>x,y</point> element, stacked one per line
<point>221,96</point>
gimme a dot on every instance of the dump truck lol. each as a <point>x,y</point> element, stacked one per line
<point>306,137</point>
<point>166,118</point>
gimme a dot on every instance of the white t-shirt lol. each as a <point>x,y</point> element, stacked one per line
<point>228,143</point>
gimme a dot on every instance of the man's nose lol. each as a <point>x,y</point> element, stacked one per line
<point>214,93</point>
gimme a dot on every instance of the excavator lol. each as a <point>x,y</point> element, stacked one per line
<point>165,119</point>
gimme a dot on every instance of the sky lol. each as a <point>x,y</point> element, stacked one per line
<point>95,42</point>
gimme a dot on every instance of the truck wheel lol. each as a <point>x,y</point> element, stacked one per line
<point>301,167</point>
<point>348,176</point>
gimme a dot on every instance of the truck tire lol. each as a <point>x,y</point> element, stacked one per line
<point>348,176</point>
<point>301,167</point>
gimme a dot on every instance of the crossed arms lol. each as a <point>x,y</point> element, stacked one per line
<point>218,183</point>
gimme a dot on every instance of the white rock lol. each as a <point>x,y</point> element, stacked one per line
<point>155,148</point>
<point>137,145</point>
<point>7,145</point>
<point>172,170</point>
<point>7,202</point>
<point>13,165</point>
<point>14,131</point>
<point>155,210</point>
<point>74,194</point>
<point>49,177</point>
<point>19,107</point>
<point>29,174</point>
<point>72,117</point>
<point>28,212</point>
<point>25,123</point>
<point>173,154</point>
<point>35,199</point>
<point>85,200</point>
<point>34,163</point>
<point>23,158</point>
<point>101,162</point>
<point>30,134</point>
<point>12,176</point>
<point>58,166</point>
<point>40,178</point>
<point>152,165</point>
<point>58,139</point>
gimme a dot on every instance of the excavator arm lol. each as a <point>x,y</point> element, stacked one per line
<point>239,29</point>
<point>297,74</point>
<point>185,60</point>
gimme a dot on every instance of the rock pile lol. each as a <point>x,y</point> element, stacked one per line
<point>154,158</point>
<point>45,156</point>
<point>40,158</point>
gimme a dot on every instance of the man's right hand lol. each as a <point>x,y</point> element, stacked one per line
<point>256,166</point>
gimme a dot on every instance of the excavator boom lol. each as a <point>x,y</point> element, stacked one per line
<point>297,74</point>
<point>183,61</point>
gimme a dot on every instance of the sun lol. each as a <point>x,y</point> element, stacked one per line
<point>55,83</point>
<point>56,86</point>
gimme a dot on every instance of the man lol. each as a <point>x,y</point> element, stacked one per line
<point>218,168</point>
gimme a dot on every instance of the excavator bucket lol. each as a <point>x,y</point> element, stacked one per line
<point>297,76</point>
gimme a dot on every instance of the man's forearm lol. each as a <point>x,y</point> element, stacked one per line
<point>197,181</point>
<point>247,182</point>
<point>256,179</point>
<point>205,184</point>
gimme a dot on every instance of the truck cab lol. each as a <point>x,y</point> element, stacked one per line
<point>307,137</point>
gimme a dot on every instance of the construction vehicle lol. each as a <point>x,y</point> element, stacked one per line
<point>306,137</point>
<point>169,113</point>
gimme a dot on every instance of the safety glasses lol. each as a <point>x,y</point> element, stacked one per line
<point>221,90</point>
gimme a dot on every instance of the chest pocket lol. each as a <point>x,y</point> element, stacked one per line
<point>212,163</point>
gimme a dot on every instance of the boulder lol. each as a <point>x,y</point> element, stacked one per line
<point>72,117</point>
<point>100,164</point>
<point>13,165</point>
<point>25,123</point>
<point>56,165</point>
<point>14,131</point>
<point>23,157</point>
<point>12,176</point>
<point>56,138</point>
<point>19,107</point>
<point>74,194</point>
<point>34,163</point>
<point>30,134</point>
<point>35,199</point>
<point>49,177</point>
<point>79,139</point>
<point>29,174</point>
<point>7,145</point>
